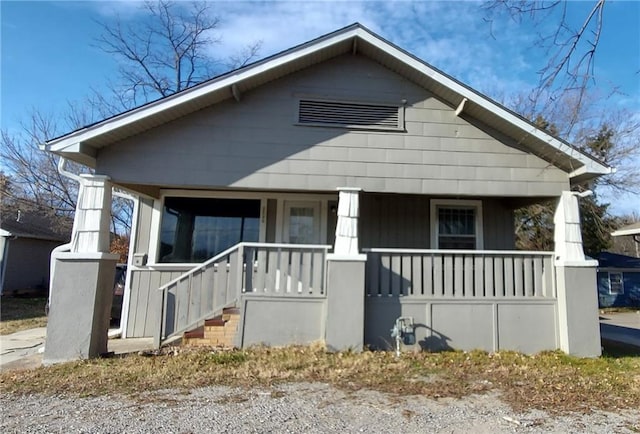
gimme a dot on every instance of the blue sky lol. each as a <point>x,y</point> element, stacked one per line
<point>49,56</point>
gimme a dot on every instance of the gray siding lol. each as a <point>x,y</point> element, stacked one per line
<point>255,144</point>
<point>403,221</point>
<point>27,264</point>
<point>499,229</point>
<point>272,209</point>
<point>144,304</point>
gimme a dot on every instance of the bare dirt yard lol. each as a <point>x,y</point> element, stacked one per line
<point>292,408</point>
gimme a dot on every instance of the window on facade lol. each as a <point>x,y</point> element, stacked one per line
<point>616,283</point>
<point>196,229</point>
<point>456,224</point>
<point>456,227</point>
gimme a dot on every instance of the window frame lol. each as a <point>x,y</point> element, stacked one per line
<point>158,207</point>
<point>621,274</point>
<point>435,204</point>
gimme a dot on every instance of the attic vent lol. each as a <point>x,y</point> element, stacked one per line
<point>344,114</point>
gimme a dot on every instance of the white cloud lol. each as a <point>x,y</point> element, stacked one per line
<point>452,36</point>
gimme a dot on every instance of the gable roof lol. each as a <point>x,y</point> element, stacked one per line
<point>613,260</point>
<point>31,223</point>
<point>81,145</point>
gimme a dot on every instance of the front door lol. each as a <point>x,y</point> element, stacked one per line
<point>301,224</point>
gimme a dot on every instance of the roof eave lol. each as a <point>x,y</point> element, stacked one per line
<point>589,172</point>
<point>224,81</point>
<point>75,144</point>
<point>78,152</point>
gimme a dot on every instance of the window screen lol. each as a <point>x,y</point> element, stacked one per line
<point>456,228</point>
<point>196,229</point>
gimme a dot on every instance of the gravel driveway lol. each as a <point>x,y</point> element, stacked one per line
<point>301,407</point>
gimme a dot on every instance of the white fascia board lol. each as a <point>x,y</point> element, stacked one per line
<point>4,233</point>
<point>590,165</point>
<point>623,232</point>
<point>188,95</point>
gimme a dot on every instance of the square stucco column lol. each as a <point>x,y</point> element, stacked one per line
<point>345,302</point>
<point>345,279</point>
<point>578,318</point>
<point>80,308</point>
<point>82,280</point>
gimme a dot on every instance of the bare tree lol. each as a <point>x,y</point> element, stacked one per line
<point>609,135</point>
<point>32,180</point>
<point>33,174</point>
<point>169,51</point>
<point>570,48</point>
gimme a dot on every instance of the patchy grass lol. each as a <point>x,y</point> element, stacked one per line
<point>21,313</point>
<point>549,381</point>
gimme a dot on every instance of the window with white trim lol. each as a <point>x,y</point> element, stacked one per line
<point>616,283</point>
<point>456,224</point>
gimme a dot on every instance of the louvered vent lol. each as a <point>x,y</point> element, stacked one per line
<point>349,114</point>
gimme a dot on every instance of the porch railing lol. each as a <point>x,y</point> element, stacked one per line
<point>257,268</point>
<point>468,274</point>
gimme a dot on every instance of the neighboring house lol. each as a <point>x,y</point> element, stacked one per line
<point>327,191</point>
<point>630,231</point>
<point>27,238</point>
<point>618,280</point>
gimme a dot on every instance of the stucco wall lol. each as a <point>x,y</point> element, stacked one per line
<point>277,321</point>
<point>490,325</point>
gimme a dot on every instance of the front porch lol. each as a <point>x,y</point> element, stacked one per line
<point>490,300</point>
<point>347,293</point>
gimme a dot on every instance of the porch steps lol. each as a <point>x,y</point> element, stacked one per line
<point>216,332</point>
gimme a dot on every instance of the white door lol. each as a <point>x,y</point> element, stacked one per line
<point>301,224</point>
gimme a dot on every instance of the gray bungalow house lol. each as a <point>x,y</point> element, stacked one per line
<point>328,193</point>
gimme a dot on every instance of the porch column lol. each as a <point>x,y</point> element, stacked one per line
<point>82,282</point>
<point>578,321</point>
<point>345,279</point>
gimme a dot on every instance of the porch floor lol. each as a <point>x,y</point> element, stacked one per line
<point>129,345</point>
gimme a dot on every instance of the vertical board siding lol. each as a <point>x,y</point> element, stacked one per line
<point>459,274</point>
<point>403,221</point>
